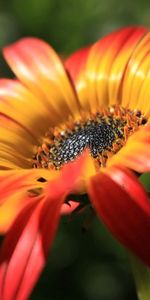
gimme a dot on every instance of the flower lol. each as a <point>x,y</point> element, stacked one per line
<point>78,128</point>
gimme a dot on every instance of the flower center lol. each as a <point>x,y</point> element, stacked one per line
<point>103,133</point>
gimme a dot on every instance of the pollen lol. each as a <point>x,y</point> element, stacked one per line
<point>103,133</point>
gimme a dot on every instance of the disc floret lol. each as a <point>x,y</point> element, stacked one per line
<point>103,133</point>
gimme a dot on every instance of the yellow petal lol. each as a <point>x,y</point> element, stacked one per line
<point>136,153</point>
<point>136,80</point>
<point>16,142</point>
<point>131,40</point>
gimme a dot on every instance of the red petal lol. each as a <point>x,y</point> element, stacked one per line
<point>25,249</point>
<point>76,65</point>
<point>123,205</point>
<point>68,208</point>
<point>76,62</point>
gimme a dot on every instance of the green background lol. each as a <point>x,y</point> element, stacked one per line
<point>83,265</point>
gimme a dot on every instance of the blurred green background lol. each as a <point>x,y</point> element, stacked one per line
<point>89,265</point>
<point>68,24</point>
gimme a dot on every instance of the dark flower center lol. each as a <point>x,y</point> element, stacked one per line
<point>97,136</point>
<point>103,133</point>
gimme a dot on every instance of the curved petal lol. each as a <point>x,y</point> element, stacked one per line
<point>137,78</point>
<point>68,208</point>
<point>136,153</point>
<point>75,65</point>
<point>14,191</point>
<point>29,238</point>
<point>122,204</point>
<point>36,64</point>
<point>75,175</point>
<point>106,65</point>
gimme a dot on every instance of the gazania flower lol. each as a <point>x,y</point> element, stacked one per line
<point>82,128</point>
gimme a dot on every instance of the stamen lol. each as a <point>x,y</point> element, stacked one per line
<point>103,133</point>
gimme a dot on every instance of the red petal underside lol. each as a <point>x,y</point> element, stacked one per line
<point>122,204</point>
<point>25,249</point>
<point>68,208</point>
<point>76,62</point>
<point>76,65</point>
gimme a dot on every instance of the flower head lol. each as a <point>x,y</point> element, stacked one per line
<point>78,128</point>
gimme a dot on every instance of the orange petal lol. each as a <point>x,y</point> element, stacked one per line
<point>122,204</point>
<point>136,153</point>
<point>14,192</point>
<point>36,64</point>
